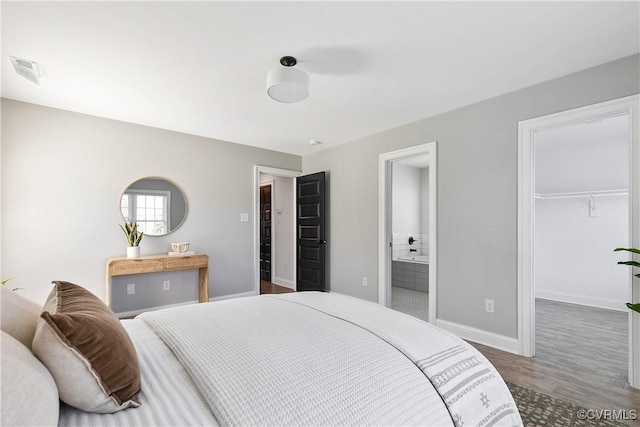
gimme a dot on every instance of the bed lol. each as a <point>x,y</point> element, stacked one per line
<point>307,358</point>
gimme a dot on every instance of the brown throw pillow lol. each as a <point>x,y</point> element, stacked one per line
<point>88,352</point>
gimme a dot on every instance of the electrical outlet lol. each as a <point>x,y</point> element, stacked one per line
<point>365,281</point>
<point>166,285</point>
<point>489,305</point>
<point>131,288</point>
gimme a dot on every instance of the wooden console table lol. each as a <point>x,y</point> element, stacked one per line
<point>157,263</point>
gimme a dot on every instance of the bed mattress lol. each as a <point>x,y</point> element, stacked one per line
<point>304,359</point>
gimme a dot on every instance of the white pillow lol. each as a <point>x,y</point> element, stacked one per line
<point>29,394</point>
<point>19,316</point>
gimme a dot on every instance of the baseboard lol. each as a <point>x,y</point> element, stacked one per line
<point>480,336</point>
<point>160,307</point>
<point>610,304</point>
<point>238,295</point>
<point>220,298</point>
<point>284,282</point>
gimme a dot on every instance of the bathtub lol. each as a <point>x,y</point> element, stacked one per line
<point>411,272</point>
<point>421,259</point>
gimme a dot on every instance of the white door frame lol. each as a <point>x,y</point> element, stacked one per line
<point>526,180</point>
<point>385,227</point>
<point>286,173</point>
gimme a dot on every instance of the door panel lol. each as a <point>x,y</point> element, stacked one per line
<point>309,211</point>
<point>311,227</point>
<point>310,254</point>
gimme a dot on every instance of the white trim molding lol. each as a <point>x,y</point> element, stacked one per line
<point>257,170</point>
<point>232,296</point>
<point>501,342</point>
<point>385,226</point>
<point>583,194</point>
<point>284,282</point>
<point>526,221</point>
<point>160,307</point>
<point>608,303</point>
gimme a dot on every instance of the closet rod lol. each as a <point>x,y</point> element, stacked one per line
<point>579,194</point>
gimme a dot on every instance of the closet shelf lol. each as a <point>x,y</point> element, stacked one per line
<point>580,194</point>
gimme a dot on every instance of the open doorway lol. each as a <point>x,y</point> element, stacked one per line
<point>266,228</point>
<point>410,236</point>
<point>581,212</point>
<point>275,230</point>
<point>407,245</point>
<point>576,202</point>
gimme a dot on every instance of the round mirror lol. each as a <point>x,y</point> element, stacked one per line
<point>156,204</point>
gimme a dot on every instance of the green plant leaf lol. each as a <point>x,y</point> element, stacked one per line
<point>5,281</point>
<point>124,231</point>
<point>634,307</point>
<point>131,232</point>
<point>634,250</point>
<point>632,263</point>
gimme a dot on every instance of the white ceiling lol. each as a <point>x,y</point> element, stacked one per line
<point>200,67</point>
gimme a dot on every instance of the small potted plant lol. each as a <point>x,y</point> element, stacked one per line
<point>133,238</point>
<point>634,307</point>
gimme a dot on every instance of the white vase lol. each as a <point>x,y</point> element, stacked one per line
<point>133,251</point>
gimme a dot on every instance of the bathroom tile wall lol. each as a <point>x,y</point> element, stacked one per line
<point>401,247</point>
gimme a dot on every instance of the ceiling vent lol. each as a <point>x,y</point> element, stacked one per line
<point>30,70</point>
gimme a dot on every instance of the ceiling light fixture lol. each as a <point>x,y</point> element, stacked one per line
<point>315,142</point>
<point>287,84</point>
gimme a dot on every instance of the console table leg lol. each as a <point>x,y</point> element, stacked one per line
<point>204,284</point>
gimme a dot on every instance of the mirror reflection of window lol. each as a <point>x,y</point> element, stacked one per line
<point>156,204</point>
<point>149,208</point>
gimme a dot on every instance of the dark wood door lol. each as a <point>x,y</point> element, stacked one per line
<point>265,232</point>
<point>311,230</point>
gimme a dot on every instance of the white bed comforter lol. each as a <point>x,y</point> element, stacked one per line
<point>328,359</point>
<point>168,397</point>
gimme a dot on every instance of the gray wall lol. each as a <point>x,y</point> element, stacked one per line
<point>62,177</point>
<point>149,291</point>
<point>477,199</point>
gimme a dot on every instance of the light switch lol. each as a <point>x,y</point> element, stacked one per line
<point>244,217</point>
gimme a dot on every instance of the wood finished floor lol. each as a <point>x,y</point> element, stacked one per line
<point>272,288</point>
<point>581,357</point>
